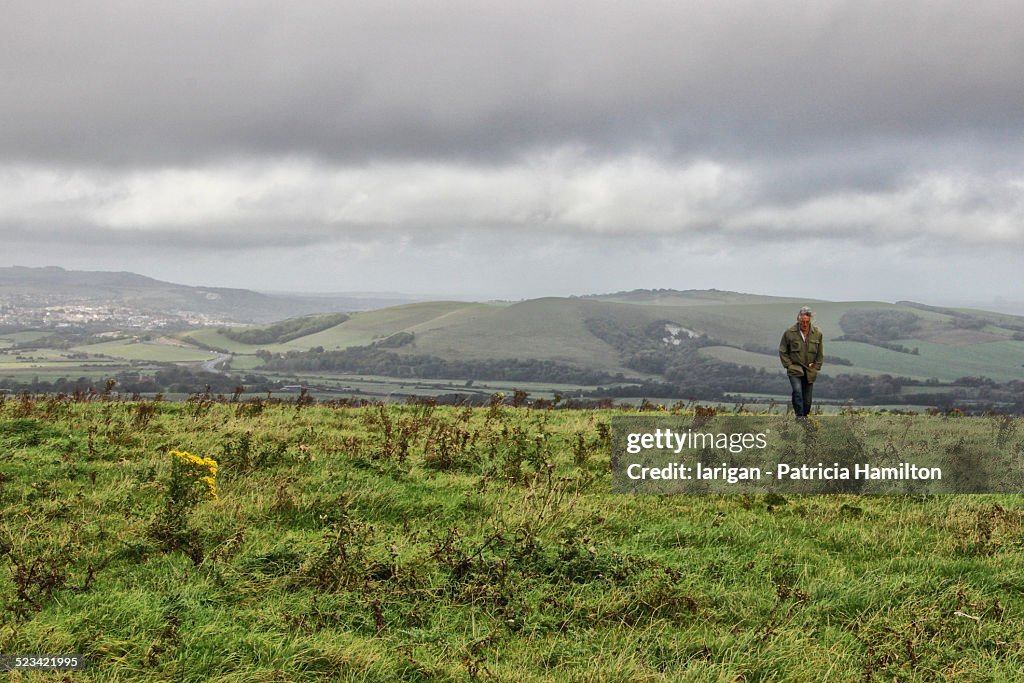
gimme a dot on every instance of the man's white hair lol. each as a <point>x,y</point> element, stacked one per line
<point>805,310</point>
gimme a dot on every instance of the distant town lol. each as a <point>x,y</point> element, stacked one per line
<point>55,312</point>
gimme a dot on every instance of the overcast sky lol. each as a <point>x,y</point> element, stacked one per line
<point>841,150</point>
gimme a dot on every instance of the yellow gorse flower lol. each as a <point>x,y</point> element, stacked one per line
<point>202,470</point>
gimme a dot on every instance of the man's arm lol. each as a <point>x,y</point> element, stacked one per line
<point>787,362</point>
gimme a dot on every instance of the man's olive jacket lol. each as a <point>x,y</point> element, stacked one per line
<point>798,355</point>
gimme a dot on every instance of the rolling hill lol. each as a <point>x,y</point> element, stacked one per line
<point>597,332</point>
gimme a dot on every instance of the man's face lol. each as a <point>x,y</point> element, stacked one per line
<point>805,322</point>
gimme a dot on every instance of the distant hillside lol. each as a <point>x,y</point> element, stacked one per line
<point>690,297</point>
<point>644,337</point>
<point>50,286</point>
<point>709,345</point>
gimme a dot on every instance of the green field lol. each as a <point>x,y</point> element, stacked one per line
<point>361,329</point>
<point>95,362</point>
<point>1001,361</point>
<point>211,337</point>
<point>149,351</point>
<point>427,544</point>
<point>97,372</point>
<point>9,339</point>
<point>245,363</point>
<point>377,387</point>
<point>366,327</point>
<point>52,364</point>
<point>760,361</point>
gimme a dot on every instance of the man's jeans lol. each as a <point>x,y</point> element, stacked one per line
<point>802,390</point>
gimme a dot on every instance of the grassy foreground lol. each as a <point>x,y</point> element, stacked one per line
<point>413,543</point>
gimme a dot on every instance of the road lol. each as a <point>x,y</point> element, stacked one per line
<point>211,365</point>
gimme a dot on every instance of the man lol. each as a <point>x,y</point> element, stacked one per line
<point>802,352</point>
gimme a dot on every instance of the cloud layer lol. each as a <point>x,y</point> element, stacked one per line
<point>253,127</point>
<point>269,204</point>
<point>172,83</point>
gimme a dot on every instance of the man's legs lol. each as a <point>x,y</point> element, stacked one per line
<point>797,383</point>
<point>802,391</point>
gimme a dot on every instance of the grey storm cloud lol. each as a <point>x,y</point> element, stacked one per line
<point>156,83</point>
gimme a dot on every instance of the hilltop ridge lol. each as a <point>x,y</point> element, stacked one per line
<point>693,297</point>
<point>51,288</point>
